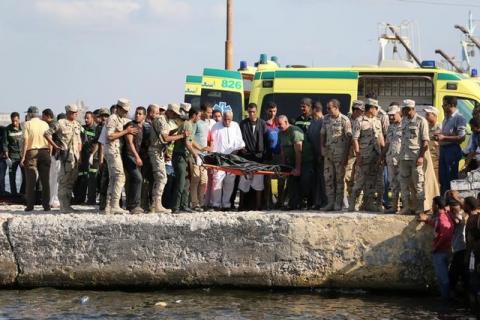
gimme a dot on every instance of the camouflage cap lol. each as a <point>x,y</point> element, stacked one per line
<point>124,103</point>
<point>393,109</point>
<point>371,102</point>
<point>175,108</point>
<point>431,109</point>
<point>71,108</point>
<point>103,111</point>
<point>358,104</point>
<point>408,103</point>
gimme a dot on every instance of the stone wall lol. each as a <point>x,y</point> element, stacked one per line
<point>209,249</point>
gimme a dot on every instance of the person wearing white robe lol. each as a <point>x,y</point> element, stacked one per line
<point>226,139</point>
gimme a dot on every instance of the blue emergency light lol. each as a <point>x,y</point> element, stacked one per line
<point>428,64</point>
<point>474,73</point>
<point>275,59</point>
<point>263,58</point>
<point>243,65</point>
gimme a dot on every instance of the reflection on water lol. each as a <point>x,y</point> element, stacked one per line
<point>218,304</point>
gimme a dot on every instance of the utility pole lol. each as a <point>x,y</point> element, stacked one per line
<point>228,42</point>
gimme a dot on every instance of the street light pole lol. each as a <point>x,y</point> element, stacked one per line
<point>228,42</point>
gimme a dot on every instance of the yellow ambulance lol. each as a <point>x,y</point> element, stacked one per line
<point>193,89</point>
<point>427,85</point>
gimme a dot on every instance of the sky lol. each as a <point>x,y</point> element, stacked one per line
<point>54,52</point>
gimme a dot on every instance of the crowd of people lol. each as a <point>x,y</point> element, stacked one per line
<point>372,159</point>
<point>456,246</point>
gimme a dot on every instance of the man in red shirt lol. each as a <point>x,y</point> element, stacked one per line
<point>442,243</point>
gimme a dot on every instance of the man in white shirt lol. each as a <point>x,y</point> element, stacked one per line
<point>226,139</point>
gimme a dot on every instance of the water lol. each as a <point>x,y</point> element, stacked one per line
<point>219,304</point>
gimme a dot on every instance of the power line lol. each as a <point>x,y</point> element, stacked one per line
<point>437,3</point>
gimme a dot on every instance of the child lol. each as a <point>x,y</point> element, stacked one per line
<point>442,243</point>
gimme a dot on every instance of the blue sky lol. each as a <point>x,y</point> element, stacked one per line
<point>58,51</point>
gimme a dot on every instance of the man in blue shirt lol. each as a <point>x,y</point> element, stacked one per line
<point>452,135</point>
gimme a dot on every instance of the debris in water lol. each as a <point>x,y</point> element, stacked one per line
<point>161,304</point>
<point>84,299</point>
<point>206,289</point>
<point>178,301</point>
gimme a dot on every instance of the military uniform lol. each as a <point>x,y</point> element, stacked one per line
<point>337,133</point>
<point>156,151</point>
<point>414,133</point>
<point>87,173</point>
<point>394,140</point>
<point>368,132</point>
<point>381,172</point>
<point>113,157</point>
<point>70,142</point>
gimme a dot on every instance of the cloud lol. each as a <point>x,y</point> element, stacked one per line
<point>88,12</point>
<point>170,8</point>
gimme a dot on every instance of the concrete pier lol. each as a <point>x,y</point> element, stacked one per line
<point>249,249</point>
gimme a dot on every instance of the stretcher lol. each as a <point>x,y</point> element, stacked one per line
<point>243,172</point>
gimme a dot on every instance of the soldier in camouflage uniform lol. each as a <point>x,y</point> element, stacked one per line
<point>358,108</point>
<point>391,154</point>
<point>434,128</point>
<point>114,132</point>
<point>68,131</point>
<point>415,139</point>
<point>159,138</point>
<point>367,144</point>
<point>335,138</point>
<point>381,172</point>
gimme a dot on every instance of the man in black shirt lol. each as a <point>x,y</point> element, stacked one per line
<point>307,183</point>
<point>88,167</point>
<point>102,176</point>
<point>254,132</point>
<point>133,163</point>
<point>12,147</point>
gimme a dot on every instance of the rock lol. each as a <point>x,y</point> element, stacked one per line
<point>295,249</point>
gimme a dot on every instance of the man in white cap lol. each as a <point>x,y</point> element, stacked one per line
<point>114,132</point>
<point>434,128</point>
<point>368,142</point>
<point>159,138</point>
<point>414,145</point>
<point>391,153</point>
<point>226,139</point>
<point>68,132</point>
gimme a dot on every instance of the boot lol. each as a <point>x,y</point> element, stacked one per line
<point>136,210</point>
<point>419,208</point>
<point>329,207</point>
<point>68,209</point>
<point>118,210</point>
<point>338,206</point>
<point>157,207</point>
